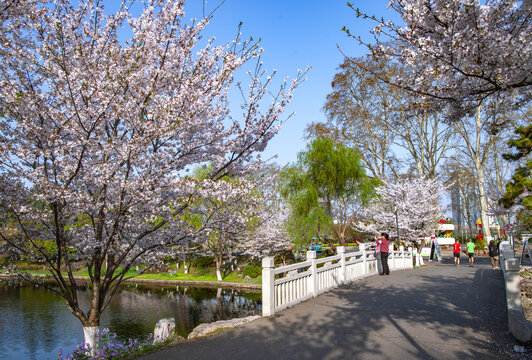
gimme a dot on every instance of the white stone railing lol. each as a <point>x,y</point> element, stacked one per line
<point>289,285</point>
<point>518,325</point>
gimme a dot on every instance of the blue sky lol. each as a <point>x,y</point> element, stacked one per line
<point>295,34</point>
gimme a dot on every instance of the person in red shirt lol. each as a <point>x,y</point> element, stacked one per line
<point>456,252</point>
<point>384,242</point>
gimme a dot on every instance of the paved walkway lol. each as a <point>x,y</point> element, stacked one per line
<point>437,312</point>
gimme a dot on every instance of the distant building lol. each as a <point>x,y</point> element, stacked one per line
<point>465,210</point>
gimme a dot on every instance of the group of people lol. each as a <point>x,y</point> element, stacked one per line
<point>383,245</point>
<point>493,250</point>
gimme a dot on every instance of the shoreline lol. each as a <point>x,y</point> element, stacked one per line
<point>209,284</point>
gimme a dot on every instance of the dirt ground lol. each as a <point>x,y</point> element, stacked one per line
<point>526,290</point>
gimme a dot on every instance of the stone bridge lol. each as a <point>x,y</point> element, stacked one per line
<point>438,311</point>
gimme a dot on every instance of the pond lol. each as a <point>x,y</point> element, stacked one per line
<point>36,323</point>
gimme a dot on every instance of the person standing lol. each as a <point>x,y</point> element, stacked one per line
<point>437,249</point>
<point>384,245</point>
<point>494,253</point>
<point>456,252</point>
<point>471,252</point>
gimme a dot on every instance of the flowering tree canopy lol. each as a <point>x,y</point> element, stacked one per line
<point>414,202</point>
<point>222,215</point>
<point>460,51</point>
<point>268,236</point>
<point>97,133</point>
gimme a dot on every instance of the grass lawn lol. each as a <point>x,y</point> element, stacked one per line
<point>199,274</point>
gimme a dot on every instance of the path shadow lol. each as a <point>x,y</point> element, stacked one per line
<point>437,312</point>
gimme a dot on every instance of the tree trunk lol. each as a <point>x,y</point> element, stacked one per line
<point>218,268</point>
<point>500,182</point>
<point>91,334</point>
<point>483,204</point>
<point>478,153</point>
<point>339,229</point>
<point>341,239</point>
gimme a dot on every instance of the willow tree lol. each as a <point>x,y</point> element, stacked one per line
<point>330,182</point>
<point>97,131</point>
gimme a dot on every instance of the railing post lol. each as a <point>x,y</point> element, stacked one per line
<point>313,279</point>
<point>268,286</point>
<point>391,256</point>
<point>411,253</point>
<point>513,284</point>
<point>343,275</point>
<point>362,247</point>
<point>402,250</point>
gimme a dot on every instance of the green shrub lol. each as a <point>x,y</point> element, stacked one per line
<point>170,259</point>
<point>480,244</point>
<point>4,260</point>
<point>252,271</point>
<point>327,252</point>
<point>203,262</point>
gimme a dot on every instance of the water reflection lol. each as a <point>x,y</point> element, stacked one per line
<point>36,323</point>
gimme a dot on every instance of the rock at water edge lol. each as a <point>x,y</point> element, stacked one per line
<point>163,329</point>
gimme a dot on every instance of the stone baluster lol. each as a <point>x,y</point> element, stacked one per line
<point>391,256</point>
<point>313,279</point>
<point>341,252</point>
<point>268,286</point>
<point>362,248</point>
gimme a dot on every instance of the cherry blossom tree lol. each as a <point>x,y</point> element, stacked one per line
<point>97,133</point>
<point>268,236</point>
<point>410,206</point>
<point>459,51</point>
<point>221,213</point>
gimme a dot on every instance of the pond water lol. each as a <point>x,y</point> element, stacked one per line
<point>35,323</point>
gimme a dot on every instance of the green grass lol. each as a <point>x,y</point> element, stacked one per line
<point>200,274</point>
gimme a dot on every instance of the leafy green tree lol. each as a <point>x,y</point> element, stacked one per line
<point>325,190</point>
<point>519,188</point>
<point>306,219</point>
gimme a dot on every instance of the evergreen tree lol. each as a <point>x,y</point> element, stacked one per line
<point>519,188</point>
